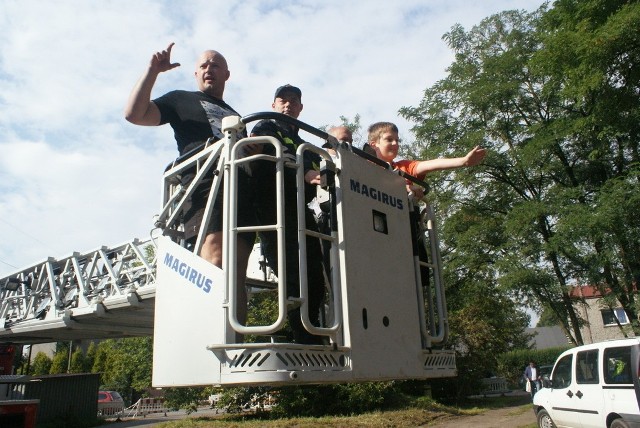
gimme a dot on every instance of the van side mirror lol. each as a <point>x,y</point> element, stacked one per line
<point>546,382</point>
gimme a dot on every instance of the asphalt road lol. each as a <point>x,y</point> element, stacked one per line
<point>156,418</point>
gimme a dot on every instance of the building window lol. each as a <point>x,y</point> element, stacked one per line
<point>609,316</point>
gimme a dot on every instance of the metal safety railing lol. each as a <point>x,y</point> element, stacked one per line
<point>332,240</point>
<point>438,323</point>
<point>201,162</point>
<point>223,159</point>
<point>428,277</point>
<point>231,231</point>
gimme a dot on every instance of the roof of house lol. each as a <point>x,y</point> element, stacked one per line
<point>585,292</point>
<point>591,291</point>
<point>547,337</point>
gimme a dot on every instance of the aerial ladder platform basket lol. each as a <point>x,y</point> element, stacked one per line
<point>385,317</point>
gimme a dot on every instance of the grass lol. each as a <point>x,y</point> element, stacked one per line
<point>423,412</point>
<point>395,418</point>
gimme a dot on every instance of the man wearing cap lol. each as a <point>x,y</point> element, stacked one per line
<point>288,101</point>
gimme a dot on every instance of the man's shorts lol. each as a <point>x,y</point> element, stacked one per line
<point>194,209</point>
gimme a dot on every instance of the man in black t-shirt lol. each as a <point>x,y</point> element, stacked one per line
<point>196,116</point>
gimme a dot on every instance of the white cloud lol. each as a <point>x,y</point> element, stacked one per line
<point>75,175</point>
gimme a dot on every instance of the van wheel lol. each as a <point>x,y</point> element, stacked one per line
<point>544,420</point>
<point>619,423</point>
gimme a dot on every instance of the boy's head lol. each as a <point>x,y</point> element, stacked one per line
<point>383,138</point>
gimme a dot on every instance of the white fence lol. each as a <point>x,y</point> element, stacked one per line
<point>145,406</point>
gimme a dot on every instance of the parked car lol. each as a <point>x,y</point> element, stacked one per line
<point>110,403</point>
<point>545,373</point>
<point>593,385</point>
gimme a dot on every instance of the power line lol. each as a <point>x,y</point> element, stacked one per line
<point>26,234</point>
<point>8,264</point>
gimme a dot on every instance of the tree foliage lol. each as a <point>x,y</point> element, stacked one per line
<point>553,96</point>
<point>41,365</point>
<point>78,362</point>
<point>512,364</point>
<point>60,360</point>
<point>341,399</point>
<point>125,365</point>
<point>185,398</point>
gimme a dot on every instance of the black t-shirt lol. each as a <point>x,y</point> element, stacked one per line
<point>194,117</point>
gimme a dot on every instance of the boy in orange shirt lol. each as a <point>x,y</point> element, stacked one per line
<point>383,138</point>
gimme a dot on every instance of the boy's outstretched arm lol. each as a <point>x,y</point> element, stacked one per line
<point>473,158</point>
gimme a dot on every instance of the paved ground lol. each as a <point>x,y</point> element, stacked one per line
<point>507,417</point>
<point>156,418</point>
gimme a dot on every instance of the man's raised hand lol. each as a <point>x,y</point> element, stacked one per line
<point>161,61</point>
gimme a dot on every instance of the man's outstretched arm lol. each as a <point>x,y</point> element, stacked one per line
<point>140,110</point>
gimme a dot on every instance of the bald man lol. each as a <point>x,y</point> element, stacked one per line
<point>196,116</point>
<point>342,133</point>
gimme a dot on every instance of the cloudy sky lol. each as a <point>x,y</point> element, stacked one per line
<point>74,175</point>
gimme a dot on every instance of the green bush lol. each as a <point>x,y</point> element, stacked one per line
<point>235,400</point>
<point>511,364</point>
<point>339,399</point>
<point>185,398</point>
<point>468,382</point>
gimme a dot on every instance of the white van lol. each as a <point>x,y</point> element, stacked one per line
<point>593,386</point>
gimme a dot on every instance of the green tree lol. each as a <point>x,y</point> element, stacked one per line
<point>547,318</point>
<point>548,208</point>
<point>101,356</point>
<point>185,398</point>
<point>78,362</point>
<point>355,127</point>
<point>41,365</point>
<point>339,399</point>
<point>263,310</point>
<point>592,50</point>
<point>484,323</point>
<point>125,365</point>
<point>90,357</point>
<point>60,361</point>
